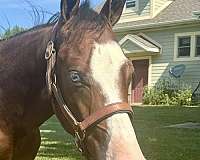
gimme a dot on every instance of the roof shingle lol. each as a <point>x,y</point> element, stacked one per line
<point>177,11</point>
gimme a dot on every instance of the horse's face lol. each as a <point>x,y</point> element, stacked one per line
<point>93,72</point>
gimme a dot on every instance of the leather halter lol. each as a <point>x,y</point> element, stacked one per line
<point>79,128</point>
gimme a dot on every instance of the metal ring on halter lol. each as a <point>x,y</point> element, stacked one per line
<point>50,50</point>
<point>80,137</point>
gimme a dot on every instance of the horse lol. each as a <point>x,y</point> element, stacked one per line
<point>76,70</point>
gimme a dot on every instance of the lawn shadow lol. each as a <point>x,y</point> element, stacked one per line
<point>56,143</point>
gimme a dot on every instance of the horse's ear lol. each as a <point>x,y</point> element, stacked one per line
<point>68,8</point>
<point>113,9</point>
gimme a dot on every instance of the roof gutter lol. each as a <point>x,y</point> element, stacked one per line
<point>154,25</point>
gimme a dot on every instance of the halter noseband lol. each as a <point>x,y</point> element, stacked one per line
<point>79,128</point>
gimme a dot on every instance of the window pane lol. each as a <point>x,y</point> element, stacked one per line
<point>198,40</point>
<point>184,52</point>
<point>198,51</point>
<point>130,3</point>
<point>184,41</point>
<point>197,45</point>
<point>184,46</point>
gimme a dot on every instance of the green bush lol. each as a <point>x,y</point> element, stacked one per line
<point>152,96</point>
<point>182,97</point>
<point>167,93</point>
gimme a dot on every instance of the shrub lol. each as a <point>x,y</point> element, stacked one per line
<point>182,97</point>
<point>167,93</point>
<point>153,96</point>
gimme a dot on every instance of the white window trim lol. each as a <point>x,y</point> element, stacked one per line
<point>133,9</point>
<point>192,48</point>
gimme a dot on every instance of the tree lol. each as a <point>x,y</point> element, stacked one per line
<point>9,32</point>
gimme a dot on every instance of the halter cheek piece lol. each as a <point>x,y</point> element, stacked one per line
<point>79,128</point>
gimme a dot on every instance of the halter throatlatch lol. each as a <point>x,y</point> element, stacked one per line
<point>79,128</point>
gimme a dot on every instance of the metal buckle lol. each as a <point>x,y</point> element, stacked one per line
<point>78,142</point>
<point>79,137</point>
<point>50,50</point>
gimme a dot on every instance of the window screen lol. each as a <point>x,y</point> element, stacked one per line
<point>184,45</point>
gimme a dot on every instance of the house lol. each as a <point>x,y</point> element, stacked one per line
<point>158,35</point>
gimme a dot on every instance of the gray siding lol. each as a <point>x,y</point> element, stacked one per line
<point>162,63</point>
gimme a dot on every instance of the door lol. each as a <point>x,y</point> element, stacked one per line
<point>140,79</point>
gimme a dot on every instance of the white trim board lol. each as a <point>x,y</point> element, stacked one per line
<point>133,39</point>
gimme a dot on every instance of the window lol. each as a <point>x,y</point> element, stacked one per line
<point>184,45</point>
<point>130,3</point>
<point>187,46</point>
<point>197,54</point>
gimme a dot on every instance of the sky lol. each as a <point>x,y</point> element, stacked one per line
<point>18,12</point>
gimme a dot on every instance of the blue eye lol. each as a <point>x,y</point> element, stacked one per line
<point>75,77</point>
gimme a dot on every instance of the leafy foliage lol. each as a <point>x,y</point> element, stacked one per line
<point>167,93</point>
<point>182,97</point>
<point>12,31</point>
<point>152,96</point>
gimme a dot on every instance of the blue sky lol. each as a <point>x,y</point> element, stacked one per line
<point>16,12</point>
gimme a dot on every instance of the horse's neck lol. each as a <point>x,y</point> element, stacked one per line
<point>22,57</point>
<point>22,70</point>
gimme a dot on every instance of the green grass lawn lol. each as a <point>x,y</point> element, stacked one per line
<point>56,143</point>
<point>156,141</point>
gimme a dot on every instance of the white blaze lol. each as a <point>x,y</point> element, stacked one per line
<point>106,62</point>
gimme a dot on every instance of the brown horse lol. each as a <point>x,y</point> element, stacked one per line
<point>87,78</point>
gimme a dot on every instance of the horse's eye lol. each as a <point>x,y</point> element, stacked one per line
<point>75,77</point>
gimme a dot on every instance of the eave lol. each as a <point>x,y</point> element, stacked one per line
<point>154,25</point>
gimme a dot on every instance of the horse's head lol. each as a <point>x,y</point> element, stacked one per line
<point>92,74</point>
